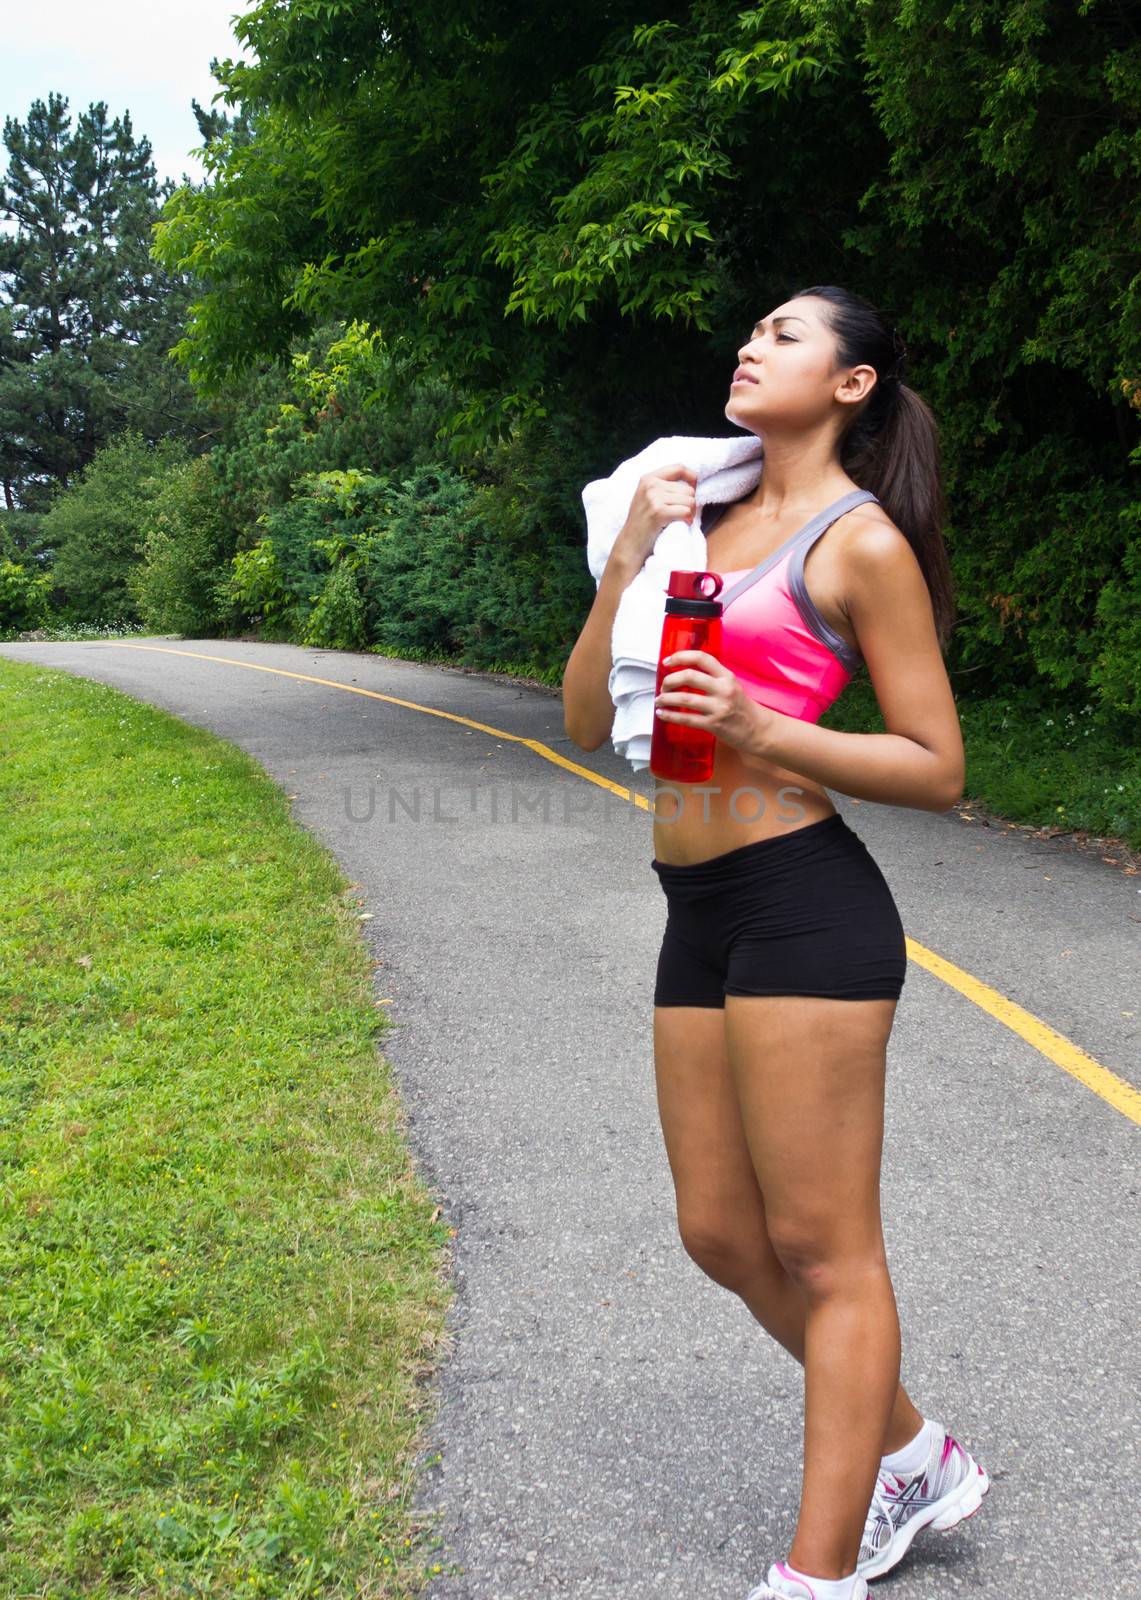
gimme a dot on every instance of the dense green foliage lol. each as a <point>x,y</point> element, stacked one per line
<point>86,315</point>
<point>449,264</point>
<point>24,597</point>
<point>21,535</point>
<point>95,531</point>
<point>180,584</point>
<point>341,402</point>
<point>581,233</point>
<point>429,566</point>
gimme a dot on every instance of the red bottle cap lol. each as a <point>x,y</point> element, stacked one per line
<point>695,585</point>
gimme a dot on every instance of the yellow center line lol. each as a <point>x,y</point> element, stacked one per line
<point>1115,1091</point>
<point>1120,1094</point>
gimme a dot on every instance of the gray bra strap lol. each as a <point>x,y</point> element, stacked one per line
<point>810,530</point>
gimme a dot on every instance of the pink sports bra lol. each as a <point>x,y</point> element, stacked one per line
<point>773,637</point>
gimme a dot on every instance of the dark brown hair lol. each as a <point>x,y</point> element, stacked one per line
<point>892,444</point>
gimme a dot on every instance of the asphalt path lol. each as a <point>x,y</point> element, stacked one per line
<point>611,1422</point>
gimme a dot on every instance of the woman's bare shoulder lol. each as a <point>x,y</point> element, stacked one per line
<point>870,536</point>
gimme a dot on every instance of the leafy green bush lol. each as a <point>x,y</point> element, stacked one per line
<point>255,583</point>
<point>451,569</point>
<point>416,563</point>
<point>291,581</point>
<point>432,565</point>
<point>341,402</point>
<point>180,586</point>
<point>1033,600</point>
<point>23,597</point>
<point>96,527</point>
<point>337,621</point>
<point>1116,672</point>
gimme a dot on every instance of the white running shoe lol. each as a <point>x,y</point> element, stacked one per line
<point>780,1584</point>
<point>940,1495</point>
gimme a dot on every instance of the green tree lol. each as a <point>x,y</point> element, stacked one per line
<point>1015,155</point>
<point>185,553</point>
<point>342,402</point>
<point>212,123</point>
<point>574,216</point>
<point>24,597</point>
<point>86,315</point>
<point>523,198</point>
<point>96,529</point>
<point>363,194</point>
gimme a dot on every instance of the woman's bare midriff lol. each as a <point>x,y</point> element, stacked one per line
<point>739,805</point>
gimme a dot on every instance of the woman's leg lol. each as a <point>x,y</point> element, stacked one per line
<point>809,1074</point>
<point>720,1209</point>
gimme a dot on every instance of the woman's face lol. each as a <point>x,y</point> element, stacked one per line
<point>788,374</point>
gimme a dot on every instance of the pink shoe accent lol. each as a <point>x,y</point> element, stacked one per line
<point>950,1444</point>
<point>793,1578</point>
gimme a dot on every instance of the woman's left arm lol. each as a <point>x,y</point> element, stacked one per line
<point>919,761</point>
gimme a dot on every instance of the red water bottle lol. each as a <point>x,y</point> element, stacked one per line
<point>693,622</point>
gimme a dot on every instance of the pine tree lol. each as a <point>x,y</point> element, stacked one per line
<point>214,125</point>
<point>86,316</point>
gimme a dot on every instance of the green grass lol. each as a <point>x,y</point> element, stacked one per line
<point>1035,761</point>
<point>224,1280</point>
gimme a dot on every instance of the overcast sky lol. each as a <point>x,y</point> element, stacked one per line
<point>148,57</point>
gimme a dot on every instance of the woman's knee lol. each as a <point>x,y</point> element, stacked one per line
<point>823,1260</point>
<point>730,1254</point>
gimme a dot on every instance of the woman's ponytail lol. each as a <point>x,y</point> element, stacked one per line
<point>892,445</point>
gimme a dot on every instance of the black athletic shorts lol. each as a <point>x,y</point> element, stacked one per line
<point>803,912</point>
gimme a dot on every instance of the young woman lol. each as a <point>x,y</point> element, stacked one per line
<point>784,954</point>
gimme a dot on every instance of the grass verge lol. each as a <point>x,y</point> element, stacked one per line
<point>225,1282</point>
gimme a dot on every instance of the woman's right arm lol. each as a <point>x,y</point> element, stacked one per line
<point>661,497</point>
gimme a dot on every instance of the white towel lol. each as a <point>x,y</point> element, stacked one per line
<point>726,469</point>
